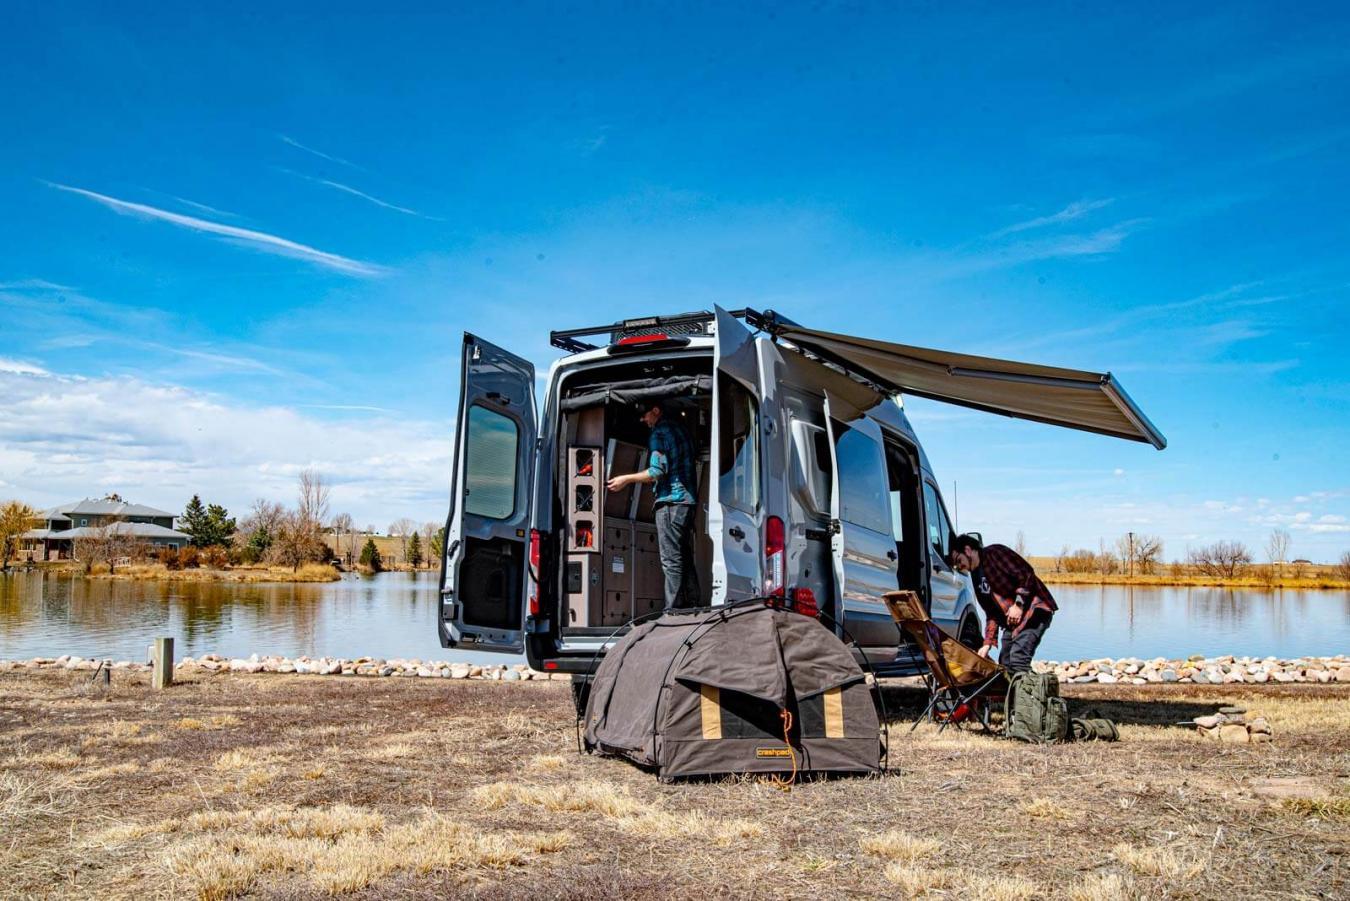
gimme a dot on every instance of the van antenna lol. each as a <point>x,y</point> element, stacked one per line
<point>956,507</point>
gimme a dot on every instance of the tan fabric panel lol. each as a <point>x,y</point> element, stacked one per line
<point>1090,401</point>
<point>710,708</point>
<point>834,713</point>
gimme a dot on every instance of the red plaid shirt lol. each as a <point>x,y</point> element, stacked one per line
<point>1002,579</point>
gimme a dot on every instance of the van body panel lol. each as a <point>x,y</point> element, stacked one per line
<point>735,519</point>
<point>863,549</point>
<point>483,574</point>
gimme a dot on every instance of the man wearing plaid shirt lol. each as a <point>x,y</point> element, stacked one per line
<point>1012,595</point>
<point>671,467</point>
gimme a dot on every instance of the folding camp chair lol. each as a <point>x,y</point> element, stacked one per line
<point>960,682</point>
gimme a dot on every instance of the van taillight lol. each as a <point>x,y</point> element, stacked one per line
<point>535,542</point>
<point>775,557</point>
<point>804,602</point>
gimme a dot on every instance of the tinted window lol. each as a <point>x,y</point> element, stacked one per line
<point>490,464</point>
<point>738,456</point>
<point>863,487</point>
<point>939,531</point>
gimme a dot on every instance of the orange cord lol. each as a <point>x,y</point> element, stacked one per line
<point>786,784</point>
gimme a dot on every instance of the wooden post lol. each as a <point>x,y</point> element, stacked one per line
<point>162,677</point>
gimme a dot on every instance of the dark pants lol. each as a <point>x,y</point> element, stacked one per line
<point>675,540</point>
<point>1017,650</point>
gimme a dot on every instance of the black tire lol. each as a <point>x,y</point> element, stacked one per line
<point>581,693</point>
<point>970,634</point>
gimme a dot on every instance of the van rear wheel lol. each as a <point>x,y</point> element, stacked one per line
<point>581,693</point>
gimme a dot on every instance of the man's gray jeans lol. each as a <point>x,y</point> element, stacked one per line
<point>675,541</point>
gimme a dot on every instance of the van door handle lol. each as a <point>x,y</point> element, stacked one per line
<point>736,532</point>
<point>892,555</point>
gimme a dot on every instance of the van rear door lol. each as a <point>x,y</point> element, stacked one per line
<point>862,545</point>
<point>483,574</point>
<point>735,514</point>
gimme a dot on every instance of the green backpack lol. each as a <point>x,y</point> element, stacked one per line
<point>1034,711</point>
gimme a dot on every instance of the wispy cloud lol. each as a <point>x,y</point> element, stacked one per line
<point>319,153</point>
<point>33,284</point>
<point>225,361</point>
<point>1075,210</point>
<point>259,240</point>
<point>19,367</point>
<point>348,189</point>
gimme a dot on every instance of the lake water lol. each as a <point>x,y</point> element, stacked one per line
<point>393,615</point>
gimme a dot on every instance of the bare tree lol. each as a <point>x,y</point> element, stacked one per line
<point>1277,548</point>
<point>16,518</point>
<point>1020,545</point>
<point>1148,551</point>
<point>299,536</point>
<point>343,525</point>
<point>403,529</point>
<point>1223,559</point>
<point>103,543</point>
<point>1343,568</point>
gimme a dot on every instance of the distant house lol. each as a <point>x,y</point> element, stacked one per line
<point>65,524</point>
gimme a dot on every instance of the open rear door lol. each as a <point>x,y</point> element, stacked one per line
<point>734,505</point>
<point>483,575</point>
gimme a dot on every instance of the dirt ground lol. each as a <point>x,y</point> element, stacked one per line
<point>298,787</point>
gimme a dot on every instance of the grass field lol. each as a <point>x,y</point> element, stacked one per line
<point>306,787</point>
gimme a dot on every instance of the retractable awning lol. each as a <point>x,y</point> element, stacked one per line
<point>1090,401</point>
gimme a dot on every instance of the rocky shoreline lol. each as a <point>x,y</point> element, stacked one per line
<point>1108,671</point>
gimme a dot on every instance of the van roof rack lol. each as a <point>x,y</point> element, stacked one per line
<point>681,323</point>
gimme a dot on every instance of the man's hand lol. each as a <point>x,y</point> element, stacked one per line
<point>984,651</point>
<point>1015,613</point>
<point>618,482</point>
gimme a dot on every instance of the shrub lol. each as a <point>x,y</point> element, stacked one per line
<point>188,558</point>
<point>1080,561</point>
<point>215,557</point>
<point>169,557</point>
<point>1343,568</point>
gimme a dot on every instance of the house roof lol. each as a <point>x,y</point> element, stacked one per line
<point>101,507</point>
<point>129,529</point>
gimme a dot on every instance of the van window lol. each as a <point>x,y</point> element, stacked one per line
<point>738,457</point>
<point>490,464</point>
<point>863,486</point>
<point>939,530</point>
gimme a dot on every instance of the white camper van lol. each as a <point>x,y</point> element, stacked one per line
<point>813,487</point>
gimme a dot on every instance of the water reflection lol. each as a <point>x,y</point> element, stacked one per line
<point>393,615</point>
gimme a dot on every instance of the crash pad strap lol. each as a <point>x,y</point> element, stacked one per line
<point>710,708</point>
<point>834,713</point>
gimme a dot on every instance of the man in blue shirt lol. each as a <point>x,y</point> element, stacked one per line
<point>671,467</point>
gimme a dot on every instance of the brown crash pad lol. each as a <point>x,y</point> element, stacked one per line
<point>698,694</point>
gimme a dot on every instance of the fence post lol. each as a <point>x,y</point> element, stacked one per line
<point>162,677</point>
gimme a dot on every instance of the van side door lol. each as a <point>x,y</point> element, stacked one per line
<point>946,583</point>
<point>864,551</point>
<point>483,573</point>
<point>735,516</point>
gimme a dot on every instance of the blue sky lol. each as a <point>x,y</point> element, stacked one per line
<point>241,240</point>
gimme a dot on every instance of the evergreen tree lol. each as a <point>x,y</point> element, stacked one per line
<point>370,556</point>
<point>415,550</point>
<point>437,543</point>
<point>219,526</point>
<point>259,543</point>
<point>193,521</point>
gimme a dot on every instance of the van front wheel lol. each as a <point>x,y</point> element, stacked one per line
<point>970,635</point>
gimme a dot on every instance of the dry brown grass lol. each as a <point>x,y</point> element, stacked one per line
<point>298,787</point>
<point>897,845</point>
<point>158,572</point>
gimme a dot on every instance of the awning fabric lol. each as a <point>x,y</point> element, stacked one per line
<point>1090,401</point>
